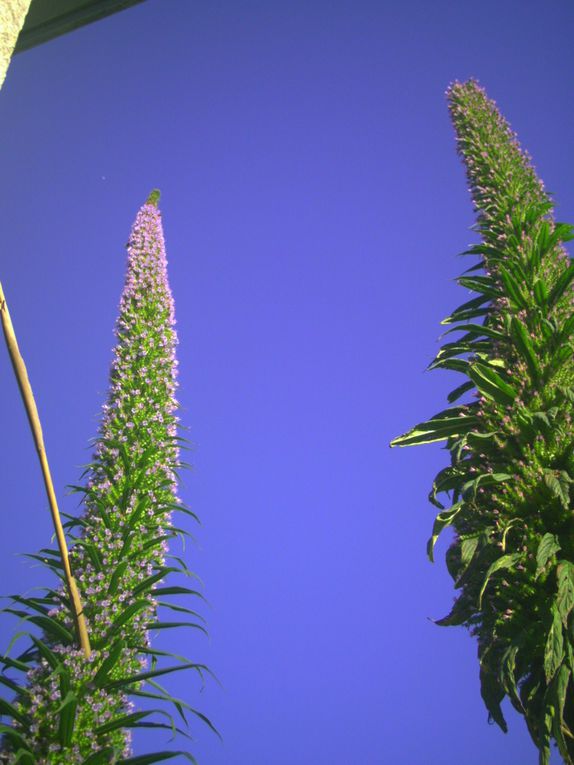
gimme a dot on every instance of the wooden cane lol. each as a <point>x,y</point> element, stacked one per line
<point>34,420</point>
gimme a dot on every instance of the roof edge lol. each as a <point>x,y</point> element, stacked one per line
<point>36,33</point>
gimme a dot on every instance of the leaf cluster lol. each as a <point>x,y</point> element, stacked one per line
<point>112,676</point>
<point>507,492</point>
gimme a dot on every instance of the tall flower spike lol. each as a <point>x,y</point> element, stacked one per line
<point>512,463</point>
<point>72,708</point>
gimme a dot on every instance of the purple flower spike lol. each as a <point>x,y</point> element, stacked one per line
<point>119,555</point>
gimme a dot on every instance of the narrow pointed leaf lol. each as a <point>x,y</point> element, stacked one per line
<point>503,563</point>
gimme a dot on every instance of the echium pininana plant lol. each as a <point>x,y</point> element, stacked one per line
<point>72,710</point>
<point>510,479</point>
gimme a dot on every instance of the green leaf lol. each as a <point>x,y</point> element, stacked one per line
<point>561,285</point>
<point>180,609</point>
<point>561,354</point>
<point>469,310</point>
<point>459,614</point>
<point>93,553</point>
<point>123,618</point>
<point>155,542</point>
<point>507,675</point>
<point>450,422</point>
<point>491,384</point>
<point>492,253</point>
<point>448,479</point>
<point>148,583</point>
<point>547,548</point>
<point>161,625</point>
<point>178,704</point>
<point>540,292</point>
<point>56,565</point>
<point>509,526</point>
<point>458,392</point>
<point>125,681</point>
<point>492,362</point>
<point>103,757</point>
<point>563,232</point>
<point>558,481</point>
<point>14,663</point>
<point>27,654</point>
<point>155,652</point>
<point>492,694</point>
<point>565,595</point>
<point>45,652</point>
<point>478,330</point>
<point>442,520</point>
<point>467,549</point>
<point>164,726</point>
<point>107,665</point>
<point>117,576</point>
<point>503,563</point>
<point>566,393</point>
<point>135,516</point>
<point>13,685</point>
<point>176,590</point>
<point>541,419</point>
<point>479,441</point>
<point>525,348</point>
<point>452,364</point>
<point>34,604</point>
<point>67,711</point>
<point>10,710</point>
<point>53,627</point>
<point>556,698</point>
<point>450,351</point>
<point>13,736</point>
<point>483,284</point>
<point>147,759</point>
<point>566,331</point>
<point>24,757</point>
<point>545,731</point>
<point>539,247</point>
<point>183,567</point>
<point>181,508</point>
<point>512,288</point>
<point>554,649</point>
<point>484,479</point>
<point>123,721</point>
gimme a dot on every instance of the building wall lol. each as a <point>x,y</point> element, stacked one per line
<point>12,15</point>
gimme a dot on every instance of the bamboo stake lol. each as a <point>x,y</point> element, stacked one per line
<point>34,420</point>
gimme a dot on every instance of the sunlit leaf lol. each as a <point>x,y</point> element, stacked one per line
<point>548,547</point>
<point>503,563</point>
<point>491,384</point>
<point>442,520</point>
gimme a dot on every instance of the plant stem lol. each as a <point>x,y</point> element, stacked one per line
<point>35,426</point>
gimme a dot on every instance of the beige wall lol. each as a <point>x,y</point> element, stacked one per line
<point>12,15</point>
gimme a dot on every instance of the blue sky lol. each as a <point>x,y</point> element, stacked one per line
<point>313,208</point>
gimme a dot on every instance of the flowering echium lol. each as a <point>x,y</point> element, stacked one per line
<point>512,458</point>
<point>74,710</point>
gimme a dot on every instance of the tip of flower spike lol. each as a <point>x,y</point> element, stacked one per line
<point>470,85</point>
<point>153,198</point>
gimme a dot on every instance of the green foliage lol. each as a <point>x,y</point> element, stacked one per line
<point>509,482</point>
